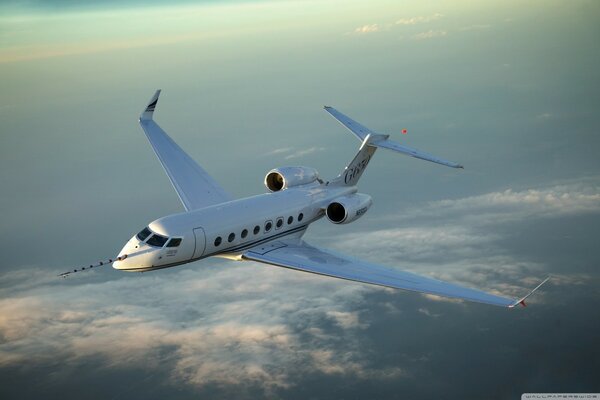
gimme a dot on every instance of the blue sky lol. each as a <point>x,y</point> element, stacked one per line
<point>510,90</point>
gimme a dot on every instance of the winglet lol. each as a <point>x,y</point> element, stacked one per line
<point>521,301</point>
<point>147,114</point>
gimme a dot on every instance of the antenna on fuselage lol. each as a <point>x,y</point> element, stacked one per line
<point>91,266</point>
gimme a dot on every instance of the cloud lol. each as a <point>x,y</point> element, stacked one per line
<point>346,319</point>
<point>216,323</point>
<point>419,20</point>
<point>455,252</point>
<point>291,153</point>
<point>430,34</point>
<point>330,362</point>
<point>370,28</point>
<point>565,199</point>
<point>249,324</point>
<point>419,244</point>
<point>462,240</point>
<point>428,313</point>
<point>367,29</point>
<point>279,151</point>
<point>301,153</point>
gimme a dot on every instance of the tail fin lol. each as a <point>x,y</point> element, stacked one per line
<point>353,171</point>
<point>372,140</point>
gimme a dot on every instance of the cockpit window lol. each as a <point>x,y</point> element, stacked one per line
<point>143,234</point>
<point>157,240</point>
<point>175,242</point>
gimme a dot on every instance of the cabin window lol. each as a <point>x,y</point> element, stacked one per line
<point>218,241</point>
<point>290,220</point>
<point>244,233</point>
<point>279,222</point>
<point>268,226</point>
<point>175,242</point>
<point>256,229</point>
<point>231,237</point>
<point>300,217</point>
<point>157,240</point>
<point>143,234</point>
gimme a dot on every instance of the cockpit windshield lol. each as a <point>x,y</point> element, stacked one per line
<point>175,242</point>
<point>143,234</point>
<point>157,240</point>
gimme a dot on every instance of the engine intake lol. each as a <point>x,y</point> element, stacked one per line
<point>348,208</point>
<point>286,177</point>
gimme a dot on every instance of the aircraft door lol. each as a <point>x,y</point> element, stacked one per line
<point>200,242</point>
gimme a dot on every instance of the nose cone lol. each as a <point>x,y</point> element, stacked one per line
<point>121,262</point>
<point>135,256</point>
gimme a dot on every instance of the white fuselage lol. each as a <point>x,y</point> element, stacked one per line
<point>228,229</point>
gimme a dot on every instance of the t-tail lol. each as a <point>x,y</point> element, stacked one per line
<point>370,142</point>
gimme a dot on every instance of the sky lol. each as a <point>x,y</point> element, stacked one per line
<point>510,90</point>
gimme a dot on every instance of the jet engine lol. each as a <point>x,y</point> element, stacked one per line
<point>286,177</point>
<point>346,209</point>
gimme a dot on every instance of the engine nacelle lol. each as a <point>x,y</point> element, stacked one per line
<point>286,177</point>
<point>348,208</point>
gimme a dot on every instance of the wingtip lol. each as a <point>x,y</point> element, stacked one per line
<point>149,110</point>
<point>521,301</point>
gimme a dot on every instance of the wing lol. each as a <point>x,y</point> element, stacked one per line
<point>379,140</point>
<point>194,186</point>
<point>298,255</point>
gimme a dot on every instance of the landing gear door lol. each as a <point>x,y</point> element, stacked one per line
<point>200,242</point>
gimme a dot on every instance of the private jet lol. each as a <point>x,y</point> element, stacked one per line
<point>268,228</point>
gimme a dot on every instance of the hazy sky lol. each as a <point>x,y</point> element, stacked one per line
<point>510,90</point>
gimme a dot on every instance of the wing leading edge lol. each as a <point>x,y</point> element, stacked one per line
<point>298,255</point>
<point>194,186</point>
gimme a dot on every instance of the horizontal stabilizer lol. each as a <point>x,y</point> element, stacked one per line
<point>409,151</point>
<point>359,130</point>
<point>379,140</point>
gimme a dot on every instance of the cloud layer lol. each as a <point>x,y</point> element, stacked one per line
<point>419,19</point>
<point>238,324</point>
<point>226,324</point>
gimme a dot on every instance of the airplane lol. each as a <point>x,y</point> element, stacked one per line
<point>268,228</point>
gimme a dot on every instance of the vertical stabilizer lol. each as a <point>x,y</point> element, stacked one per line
<point>353,171</point>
